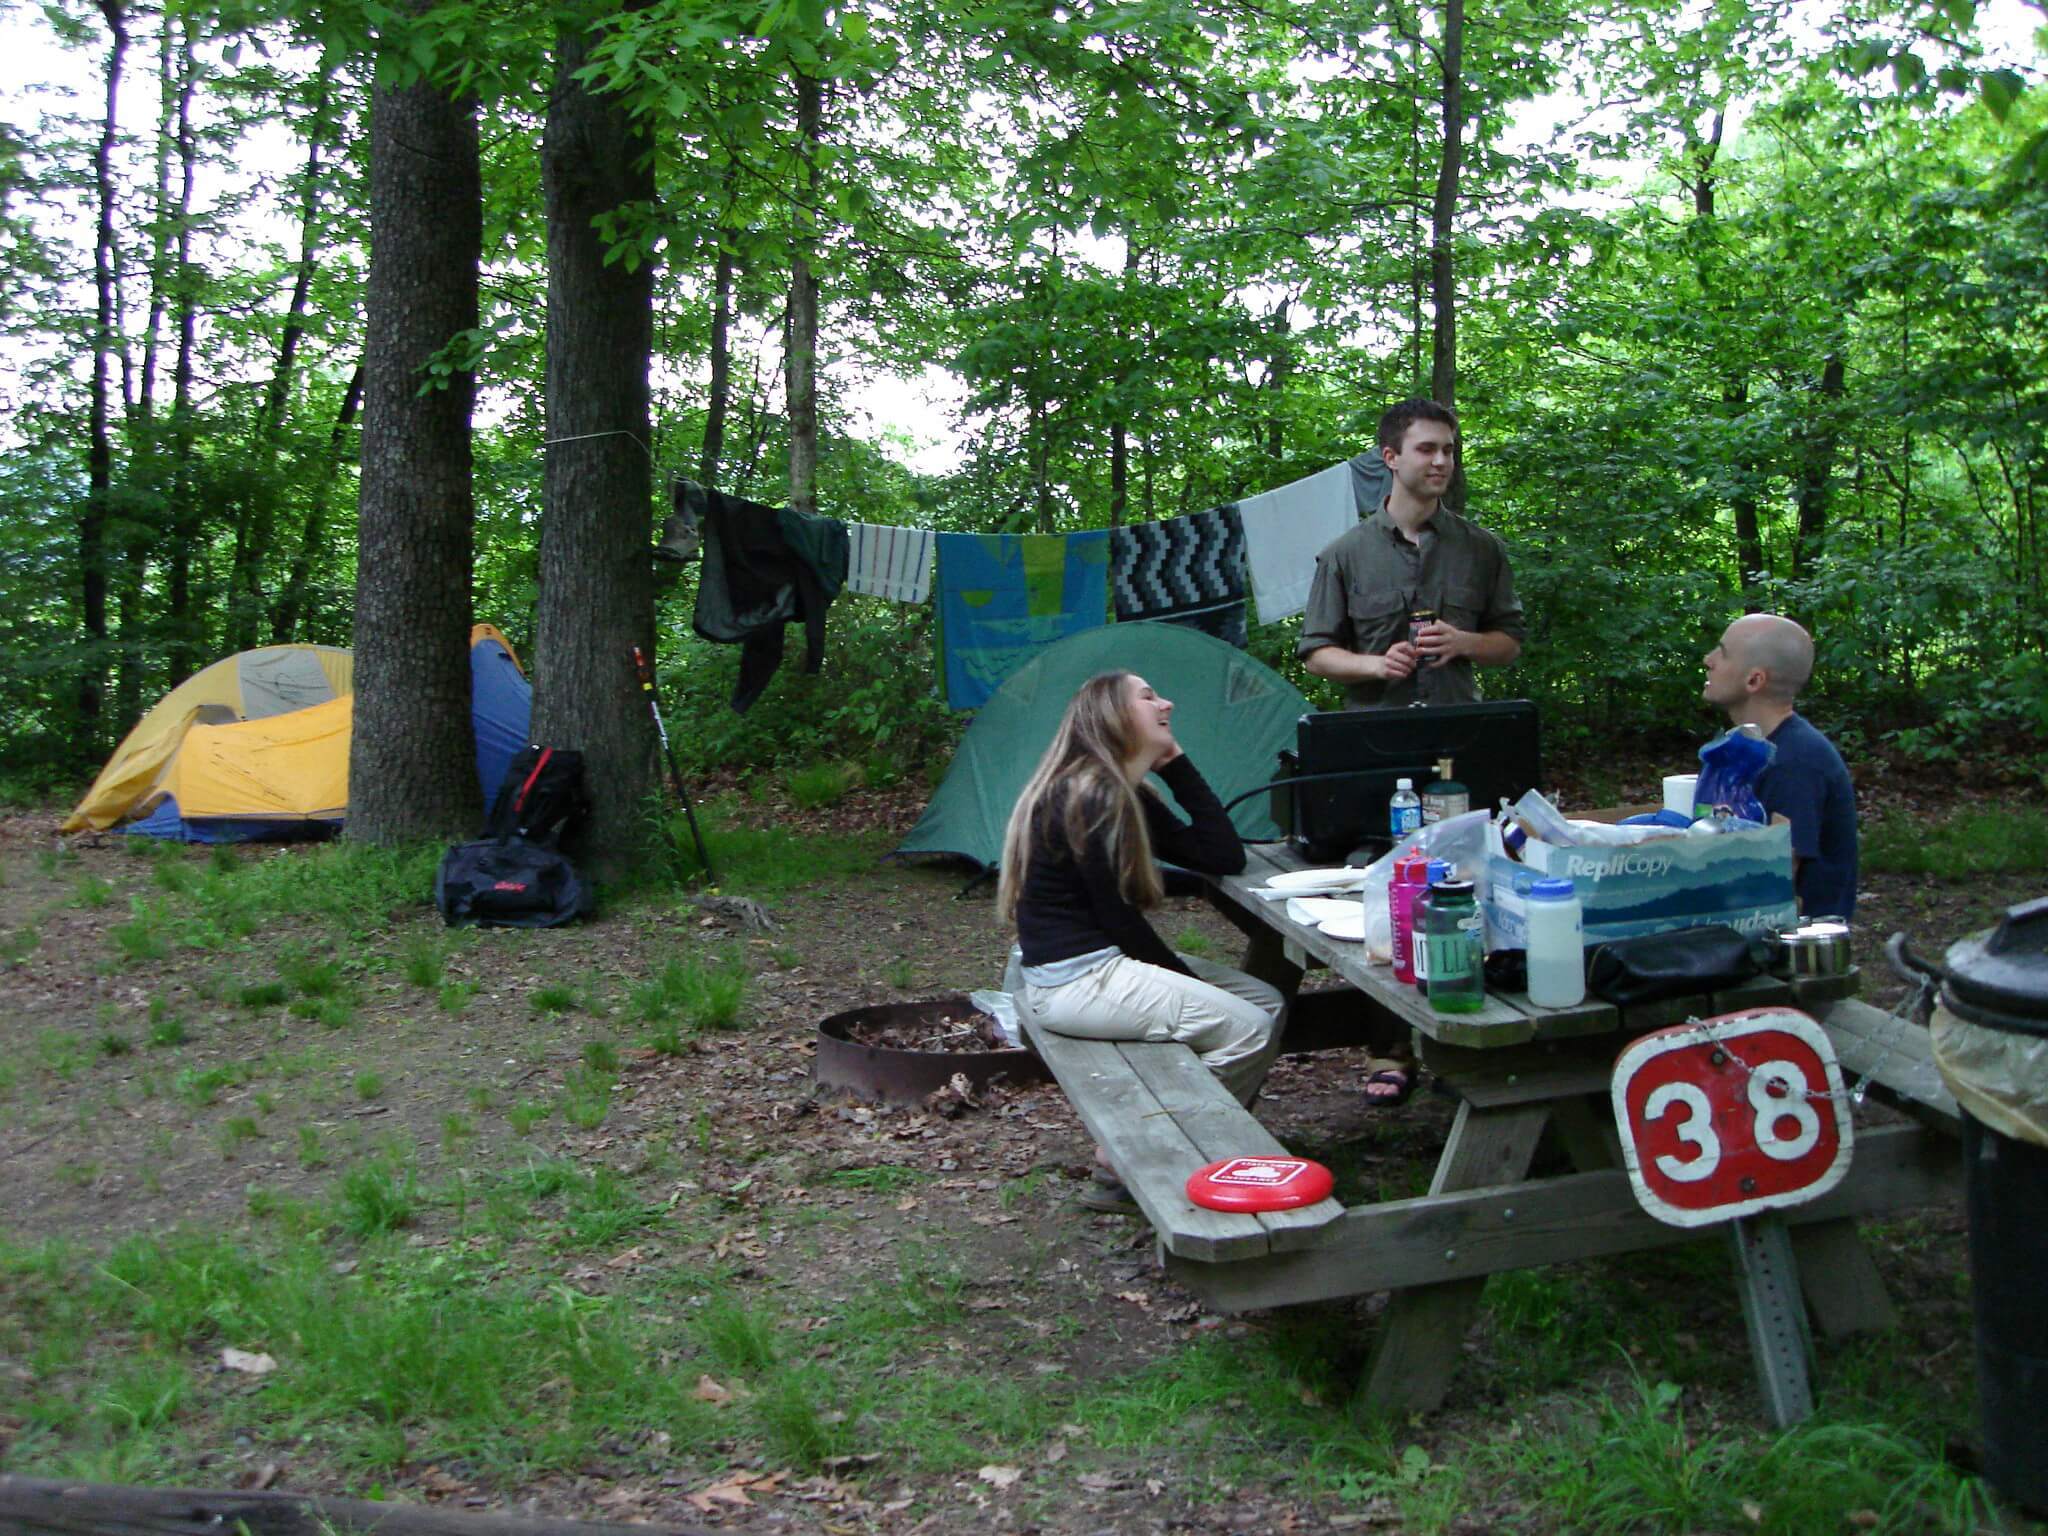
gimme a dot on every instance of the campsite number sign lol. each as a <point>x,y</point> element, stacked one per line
<point>1731,1116</point>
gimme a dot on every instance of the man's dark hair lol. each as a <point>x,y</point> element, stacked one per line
<point>1398,419</point>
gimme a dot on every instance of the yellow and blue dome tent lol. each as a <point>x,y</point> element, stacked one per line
<point>256,745</point>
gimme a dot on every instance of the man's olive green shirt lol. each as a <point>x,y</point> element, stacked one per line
<point>1369,580</point>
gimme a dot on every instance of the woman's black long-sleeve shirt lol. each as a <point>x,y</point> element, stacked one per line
<point>1072,906</point>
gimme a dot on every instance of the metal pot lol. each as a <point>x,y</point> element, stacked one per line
<point>1816,948</point>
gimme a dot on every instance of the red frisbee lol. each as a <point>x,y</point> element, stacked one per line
<point>1260,1184</point>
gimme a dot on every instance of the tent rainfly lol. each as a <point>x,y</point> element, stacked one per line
<point>256,745</point>
<point>1232,714</point>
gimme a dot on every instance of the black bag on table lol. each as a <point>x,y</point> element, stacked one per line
<point>1681,963</point>
<point>542,799</point>
<point>509,882</point>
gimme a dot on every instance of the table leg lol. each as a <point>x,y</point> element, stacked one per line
<point>1584,1127</point>
<point>1843,1288</point>
<point>1423,1331</point>
<point>1265,957</point>
<point>1778,1341</point>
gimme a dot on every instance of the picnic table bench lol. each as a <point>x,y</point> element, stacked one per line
<point>1517,1070</point>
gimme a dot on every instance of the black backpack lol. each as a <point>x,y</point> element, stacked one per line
<point>509,883</point>
<point>542,799</point>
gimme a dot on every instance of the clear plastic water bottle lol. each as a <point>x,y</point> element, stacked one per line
<point>1404,810</point>
<point>1457,982</point>
<point>1557,945</point>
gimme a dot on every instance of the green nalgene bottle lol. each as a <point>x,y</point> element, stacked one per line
<point>1452,930</point>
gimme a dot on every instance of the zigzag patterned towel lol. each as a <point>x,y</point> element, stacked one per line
<point>895,563</point>
<point>1186,570</point>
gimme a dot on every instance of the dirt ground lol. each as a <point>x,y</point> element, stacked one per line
<point>97,1146</point>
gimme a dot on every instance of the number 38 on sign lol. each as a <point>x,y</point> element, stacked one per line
<point>1731,1116</point>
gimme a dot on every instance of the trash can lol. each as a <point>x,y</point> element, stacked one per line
<point>1990,1038</point>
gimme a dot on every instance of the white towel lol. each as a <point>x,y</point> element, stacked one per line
<point>1285,530</point>
<point>895,563</point>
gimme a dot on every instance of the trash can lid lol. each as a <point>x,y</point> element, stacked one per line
<point>1999,978</point>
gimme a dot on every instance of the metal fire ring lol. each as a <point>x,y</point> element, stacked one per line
<point>905,1077</point>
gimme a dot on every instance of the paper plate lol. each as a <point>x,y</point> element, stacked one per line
<point>1306,880</point>
<point>1345,925</point>
<point>1311,910</point>
<point>1259,1184</point>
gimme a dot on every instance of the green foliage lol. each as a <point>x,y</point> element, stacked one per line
<point>1965,844</point>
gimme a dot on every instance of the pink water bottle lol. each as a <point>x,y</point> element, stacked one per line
<point>1411,878</point>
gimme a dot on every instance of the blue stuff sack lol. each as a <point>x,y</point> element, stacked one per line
<point>1730,766</point>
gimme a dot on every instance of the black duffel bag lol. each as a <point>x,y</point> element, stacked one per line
<point>509,883</point>
<point>1681,963</point>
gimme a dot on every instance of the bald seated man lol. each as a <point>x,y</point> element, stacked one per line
<point>1753,677</point>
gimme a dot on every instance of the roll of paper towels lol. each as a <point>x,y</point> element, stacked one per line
<point>1679,789</point>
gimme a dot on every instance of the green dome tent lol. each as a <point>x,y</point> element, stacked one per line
<point>1232,715</point>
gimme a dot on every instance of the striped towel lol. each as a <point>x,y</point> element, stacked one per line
<point>895,563</point>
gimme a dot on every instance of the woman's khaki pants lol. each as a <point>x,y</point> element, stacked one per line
<point>1229,1019</point>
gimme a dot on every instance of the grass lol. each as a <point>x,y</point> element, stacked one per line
<point>379,1196</point>
<point>702,992</point>
<point>769,861</point>
<point>556,997</point>
<point>91,892</point>
<point>586,1097</point>
<point>422,960</point>
<point>1964,844</point>
<point>145,936</point>
<point>527,1114</point>
<point>820,784</point>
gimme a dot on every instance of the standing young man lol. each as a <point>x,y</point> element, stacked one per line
<point>1753,677</point>
<point>1413,553</point>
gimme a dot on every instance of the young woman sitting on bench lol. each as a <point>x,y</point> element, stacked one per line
<point>1078,867</point>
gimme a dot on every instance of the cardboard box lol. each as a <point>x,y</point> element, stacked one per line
<point>1743,879</point>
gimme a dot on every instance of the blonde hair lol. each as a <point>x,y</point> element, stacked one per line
<point>1081,782</point>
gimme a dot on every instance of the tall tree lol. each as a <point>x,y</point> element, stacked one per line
<point>1443,277</point>
<point>800,355</point>
<point>596,589</point>
<point>412,763</point>
<point>93,521</point>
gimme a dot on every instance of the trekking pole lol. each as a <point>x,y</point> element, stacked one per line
<point>675,774</point>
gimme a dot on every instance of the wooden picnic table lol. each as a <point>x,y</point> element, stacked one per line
<point>1517,1068</point>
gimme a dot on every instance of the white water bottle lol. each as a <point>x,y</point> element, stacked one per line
<point>1404,810</point>
<point>1557,945</point>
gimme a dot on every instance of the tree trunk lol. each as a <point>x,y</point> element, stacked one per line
<point>291,606</point>
<point>1749,543</point>
<point>99,450</point>
<point>1119,473</point>
<point>800,360</point>
<point>183,517</point>
<point>1817,464</point>
<point>1443,371</point>
<point>719,402</point>
<point>596,588</point>
<point>257,527</point>
<point>1279,363</point>
<point>412,762</point>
